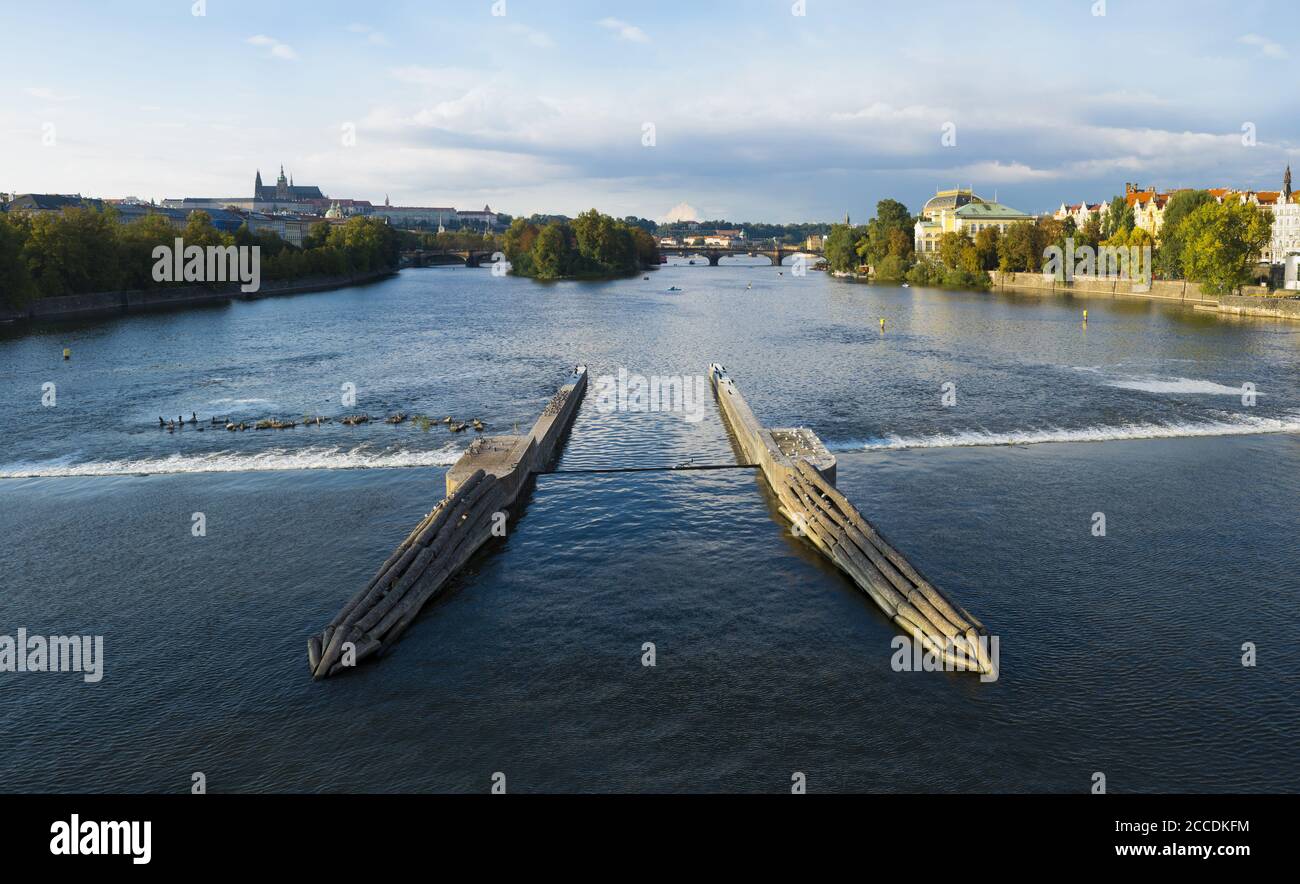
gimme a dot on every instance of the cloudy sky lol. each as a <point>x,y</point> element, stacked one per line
<point>756,113</point>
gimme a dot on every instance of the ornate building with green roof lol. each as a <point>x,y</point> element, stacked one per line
<point>961,211</point>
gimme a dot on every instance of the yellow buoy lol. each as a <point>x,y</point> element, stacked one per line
<point>882,324</point>
<point>67,353</point>
<point>1085,316</point>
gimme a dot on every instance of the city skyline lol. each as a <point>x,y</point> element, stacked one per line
<point>393,103</point>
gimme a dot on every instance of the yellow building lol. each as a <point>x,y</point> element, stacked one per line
<point>961,211</point>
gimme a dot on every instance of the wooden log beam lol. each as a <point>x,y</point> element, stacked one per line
<point>432,583</point>
<point>486,479</point>
<point>464,506</point>
<point>421,538</point>
<point>435,519</point>
<point>950,609</point>
<point>476,521</point>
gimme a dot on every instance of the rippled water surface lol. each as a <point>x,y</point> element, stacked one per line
<point>1119,654</point>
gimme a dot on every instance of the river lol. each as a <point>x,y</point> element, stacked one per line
<point>1119,654</point>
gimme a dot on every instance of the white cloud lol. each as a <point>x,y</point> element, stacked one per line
<point>483,110</point>
<point>275,49</point>
<point>883,112</point>
<point>626,31</point>
<point>998,172</point>
<point>452,78</point>
<point>372,36</point>
<point>1266,46</point>
<point>681,212</point>
<point>538,38</point>
<point>46,94</point>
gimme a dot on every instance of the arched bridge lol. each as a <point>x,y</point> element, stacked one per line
<point>775,254</point>
<point>432,257</point>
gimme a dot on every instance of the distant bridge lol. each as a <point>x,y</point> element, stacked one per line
<point>428,257</point>
<point>775,254</point>
<point>714,254</point>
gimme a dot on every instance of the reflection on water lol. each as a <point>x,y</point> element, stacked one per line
<point>1119,653</point>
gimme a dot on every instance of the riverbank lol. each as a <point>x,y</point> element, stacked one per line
<point>118,303</point>
<point>593,276</point>
<point>1253,303</point>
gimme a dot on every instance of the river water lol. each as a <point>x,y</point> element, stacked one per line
<point>1120,654</point>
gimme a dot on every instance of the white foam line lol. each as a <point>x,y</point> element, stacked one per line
<point>1178,385</point>
<point>278,460</point>
<point>979,438</point>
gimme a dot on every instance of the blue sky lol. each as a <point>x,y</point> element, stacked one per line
<point>758,114</point>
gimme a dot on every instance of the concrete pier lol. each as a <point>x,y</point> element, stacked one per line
<point>488,478</point>
<point>801,471</point>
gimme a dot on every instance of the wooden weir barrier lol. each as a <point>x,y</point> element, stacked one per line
<point>801,471</point>
<point>489,477</point>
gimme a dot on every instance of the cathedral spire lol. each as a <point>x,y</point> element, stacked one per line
<point>1286,184</point>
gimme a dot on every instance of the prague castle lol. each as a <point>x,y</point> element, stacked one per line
<point>283,196</point>
<point>284,190</point>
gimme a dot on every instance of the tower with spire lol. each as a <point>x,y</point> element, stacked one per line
<point>285,190</point>
<point>1286,185</point>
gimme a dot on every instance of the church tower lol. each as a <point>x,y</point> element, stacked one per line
<point>257,188</point>
<point>1286,185</point>
<point>282,186</point>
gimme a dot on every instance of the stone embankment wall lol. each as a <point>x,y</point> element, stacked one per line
<point>115,303</point>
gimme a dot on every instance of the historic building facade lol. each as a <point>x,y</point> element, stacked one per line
<point>961,211</point>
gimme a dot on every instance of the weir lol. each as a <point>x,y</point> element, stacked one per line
<point>488,478</point>
<point>801,471</point>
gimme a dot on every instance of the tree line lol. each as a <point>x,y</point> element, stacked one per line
<point>85,250</point>
<point>590,245</point>
<point>1200,240</point>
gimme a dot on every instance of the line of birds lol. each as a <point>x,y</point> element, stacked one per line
<point>353,420</point>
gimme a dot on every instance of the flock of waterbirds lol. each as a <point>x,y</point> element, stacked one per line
<point>420,421</point>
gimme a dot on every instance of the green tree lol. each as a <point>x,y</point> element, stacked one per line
<point>1018,249</point>
<point>1221,242</point>
<point>892,268</point>
<point>1169,257</point>
<point>136,242</point>
<point>840,248</point>
<point>1120,218</point>
<point>74,253</point>
<point>16,285</point>
<point>199,231</point>
<point>951,245</point>
<point>986,247</point>
<point>889,233</point>
<point>520,238</point>
<point>549,252</point>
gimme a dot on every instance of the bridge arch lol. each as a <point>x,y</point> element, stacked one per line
<point>776,257</point>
